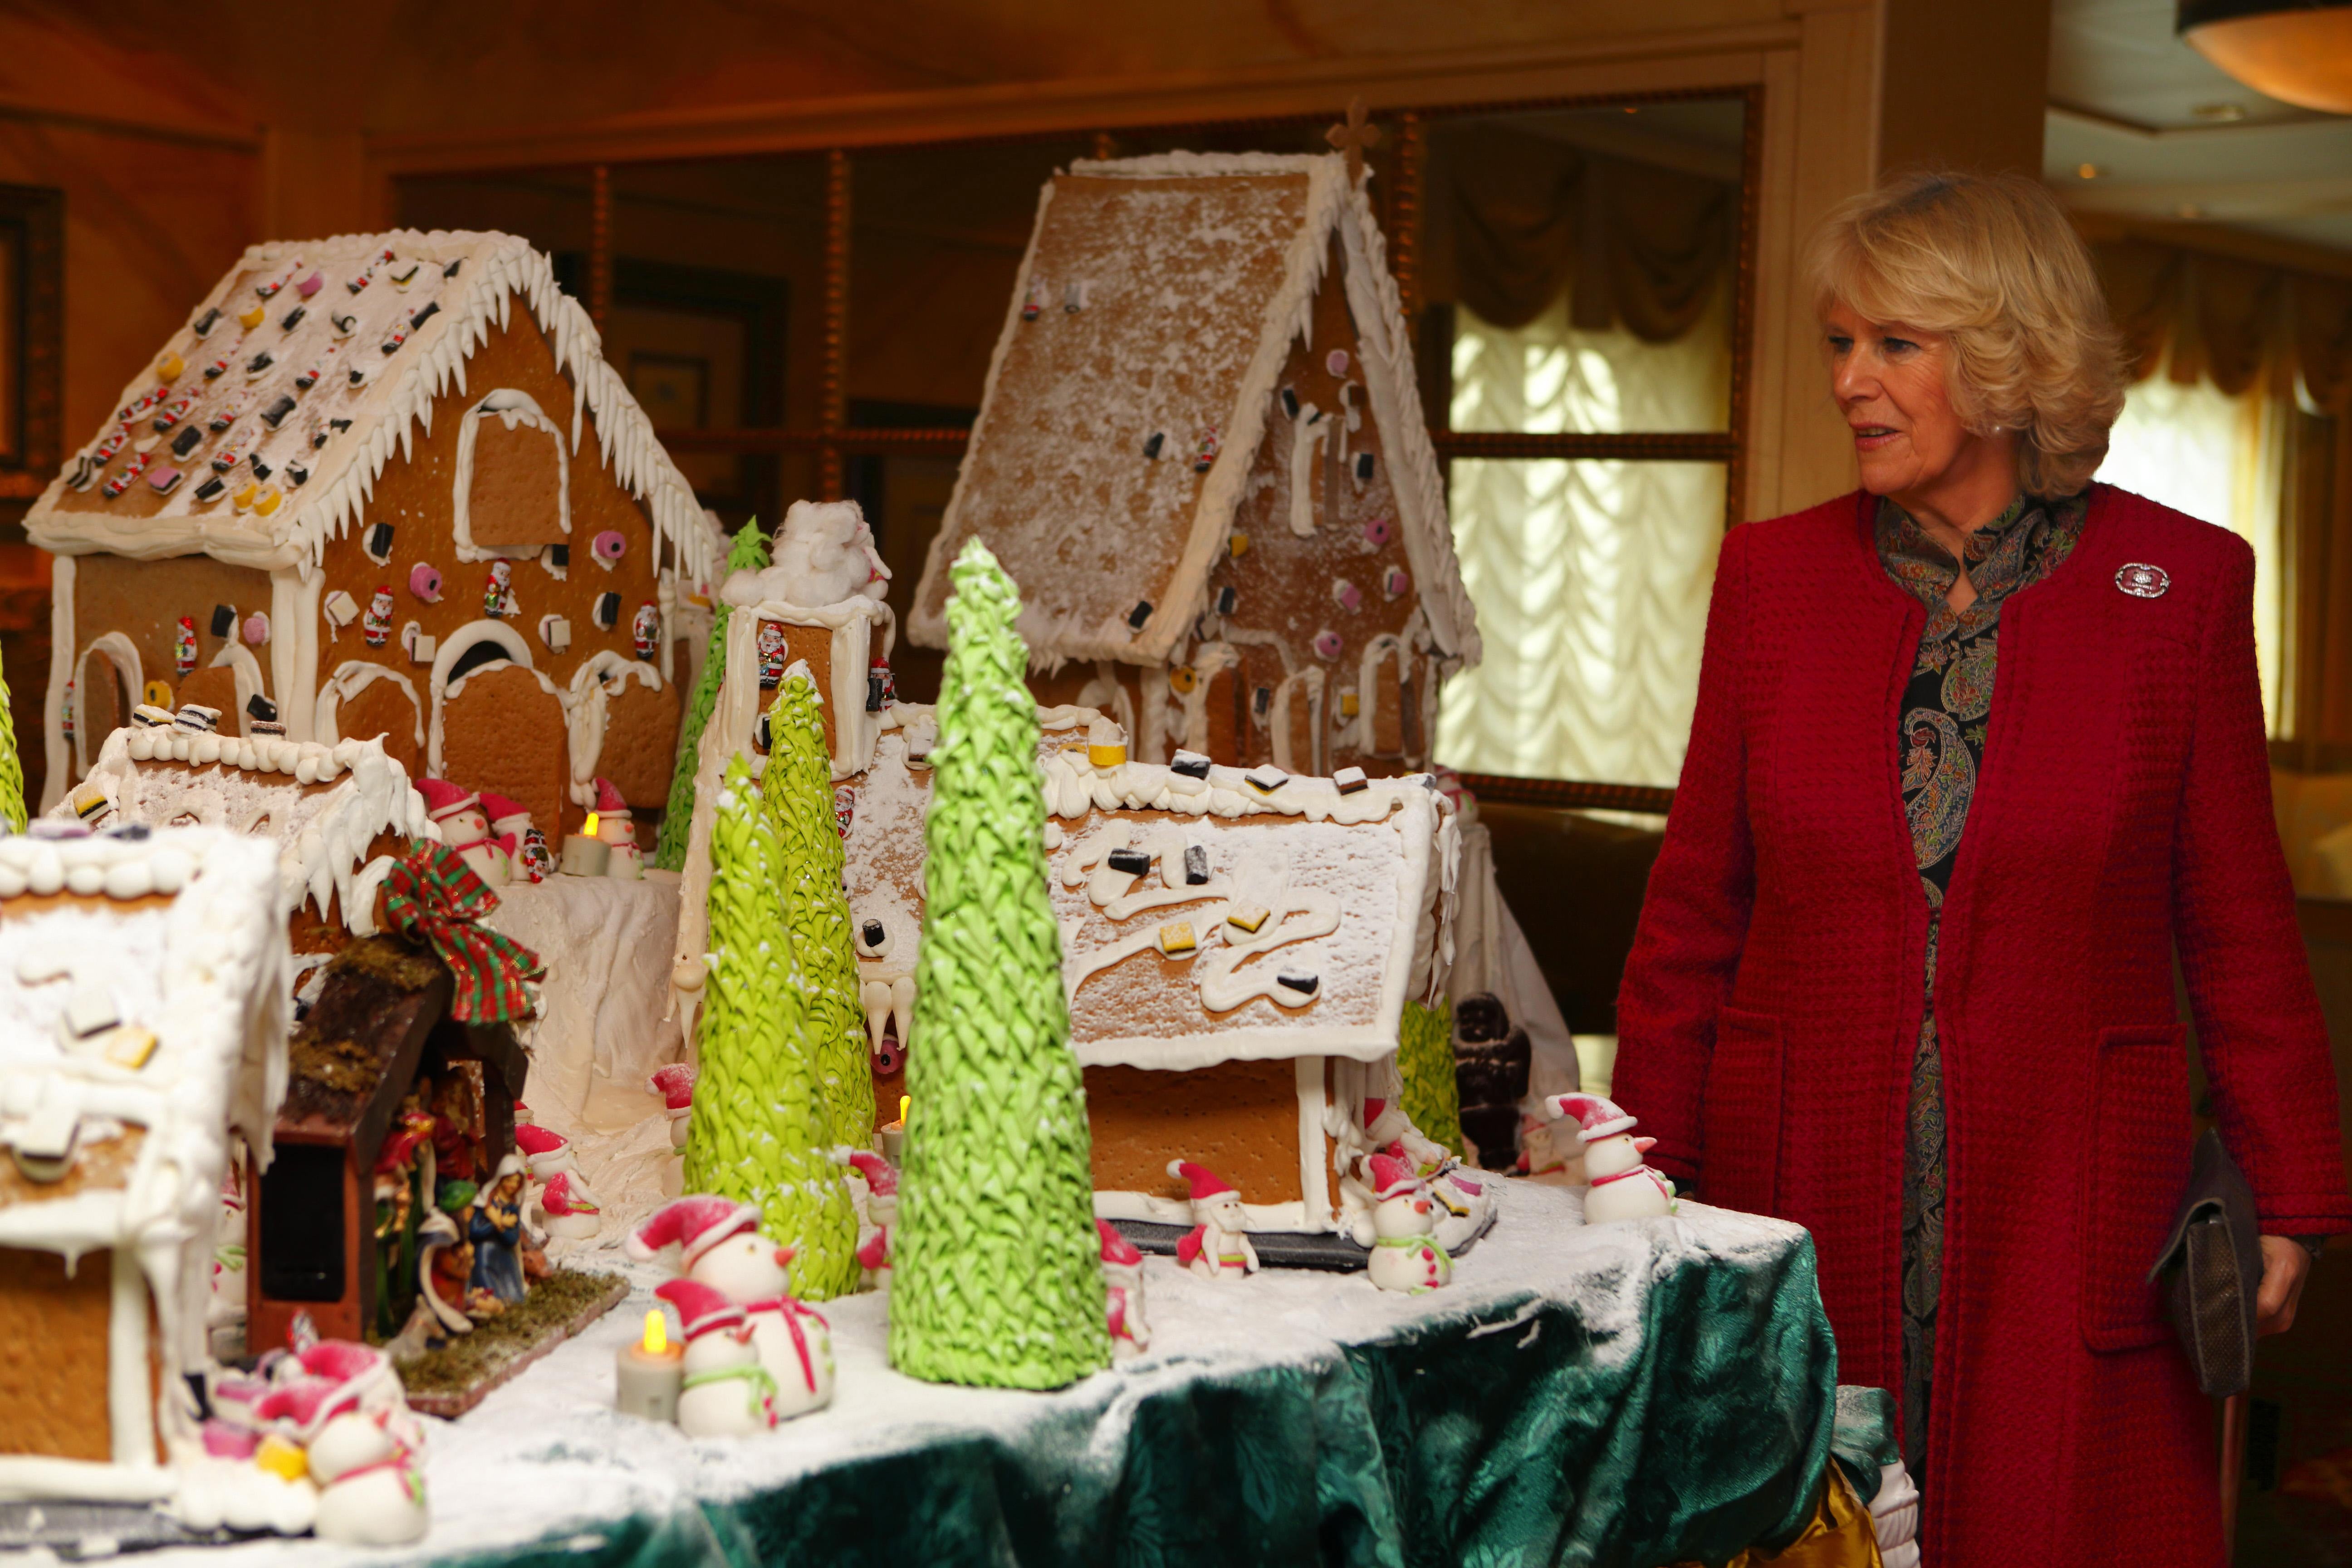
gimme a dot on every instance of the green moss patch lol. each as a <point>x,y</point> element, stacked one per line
<point>454,1378</point>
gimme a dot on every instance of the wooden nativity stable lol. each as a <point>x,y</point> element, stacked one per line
<point>1201,454</point>
<point>388,483</point>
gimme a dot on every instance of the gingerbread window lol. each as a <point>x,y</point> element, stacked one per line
<point>513,492</point>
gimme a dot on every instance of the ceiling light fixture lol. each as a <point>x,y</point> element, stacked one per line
<point>2088,170</point>
<point>2219,113</point>
<point>2298,51</point>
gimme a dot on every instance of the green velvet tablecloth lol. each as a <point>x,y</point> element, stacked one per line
<point>1634,1394</point>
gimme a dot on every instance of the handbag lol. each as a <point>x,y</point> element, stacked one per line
<point>2210,1270</point>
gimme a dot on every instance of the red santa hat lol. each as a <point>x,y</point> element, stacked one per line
<point>1206,1183</point>
<point>877,1171</point>
<point>499,808</point>
<point>534,1139</point>
<point>608,800</point>
<point>443,799</point>
<point>674,1084</point>
<point>694,1225</point>
<point>700,1308</point>
<point>1115,1249</point>
<point>1597,1114</point>
<point>1392,1177</point>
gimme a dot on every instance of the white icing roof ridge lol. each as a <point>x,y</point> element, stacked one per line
<point>1055,638</point>
<point>492,269</point>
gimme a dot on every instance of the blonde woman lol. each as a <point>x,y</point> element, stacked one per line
<point>1977,750</point>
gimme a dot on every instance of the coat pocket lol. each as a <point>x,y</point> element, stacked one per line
<point>2135,1162</point>
<point>1741,1122</point>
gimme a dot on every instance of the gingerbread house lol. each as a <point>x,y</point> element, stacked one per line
<point>1200,453</point>
<point>144,1024</point>
<point>388,482</point>
<point>335,813</point>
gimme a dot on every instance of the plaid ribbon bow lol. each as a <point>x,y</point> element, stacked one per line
<point>434,896</point>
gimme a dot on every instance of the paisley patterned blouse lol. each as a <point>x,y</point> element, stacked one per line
<point>1946,715</point>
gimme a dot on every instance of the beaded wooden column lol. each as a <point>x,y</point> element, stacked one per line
<point>832,413</point>
<point>600,244</point>
<point>1404,213</point>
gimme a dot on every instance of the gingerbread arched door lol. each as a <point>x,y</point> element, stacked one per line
<point>500,727</point>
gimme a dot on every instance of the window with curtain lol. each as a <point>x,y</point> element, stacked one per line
<point>2223,459</point>
<point>1580,274</point>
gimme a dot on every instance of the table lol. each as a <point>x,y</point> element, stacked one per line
<point>1629,1393</point>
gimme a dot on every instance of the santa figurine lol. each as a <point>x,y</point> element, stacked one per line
<point>1622,1186</point>
<point>464,828</point>
<point>1217,1246</point>
<point>644,631</point>
<point>881,685</point>
<point>1123,1264</point>
<point>873,1192</point>
<point>721,1247</point>
<point>1406,1254</point>
<point>566,1208</point>
<point>616,827</point>
<point>772,655</point>
<point>728,1391</point>
<point>511,831</point>
<point>184,647</point>
<point>376,625</point>
<point>497,591</point>
<point>674,1084</point>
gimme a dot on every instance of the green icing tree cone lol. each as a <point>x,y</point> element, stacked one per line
<point>749,553</point>
<point>12,767</point>
<point>1425,1061</point>
<point>996,1272</point>
<point>759,1134</point>
<point>798,787</point>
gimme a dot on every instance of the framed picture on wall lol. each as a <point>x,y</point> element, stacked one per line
<point>673,389</point>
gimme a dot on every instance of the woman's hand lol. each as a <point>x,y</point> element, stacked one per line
<point>2285,1266</point>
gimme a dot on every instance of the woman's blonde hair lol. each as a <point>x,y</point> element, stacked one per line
<point>1991,263</point>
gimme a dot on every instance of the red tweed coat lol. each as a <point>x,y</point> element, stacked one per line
<point>1770,1006</point>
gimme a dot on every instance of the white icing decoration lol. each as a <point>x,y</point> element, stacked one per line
<point>602,676</point>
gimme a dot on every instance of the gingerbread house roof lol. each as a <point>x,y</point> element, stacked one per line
<point>322,355</point>
<point>319,807</point>
<point>1316,914</point>
<point>1169,291</point>
<point>144,1019</point>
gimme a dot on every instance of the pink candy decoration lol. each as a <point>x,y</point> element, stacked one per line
<point>1328,644</point>
<point>1378,531</point>
<point>1395,582</point>
<point>309,286</point>
<point>607,547</point>
<point>1336,361</point>
<point>424,582</point>
<point>1348,596</point>
<point>257,629</point>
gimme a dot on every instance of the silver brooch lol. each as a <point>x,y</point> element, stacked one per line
<point>2142,580</point>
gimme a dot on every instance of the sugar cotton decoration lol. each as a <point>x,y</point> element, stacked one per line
<point>760,1132</point>
<point>798,788</point>
<point>996,1265</point>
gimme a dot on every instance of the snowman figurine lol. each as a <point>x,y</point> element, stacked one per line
<point>1406,1254</point>
<point>464,828</point>
<point>1122,1263</point>
<point>617,828</point>
<point>877,1213</point>
<point>674,1084</point>
<point>1218,1246</point>
<point>371,1488</point>
<point>720,1248</point>
<point>567,1208</point>
<point>727,1393</point>
<point>1622,1186</point>
<point>512,832</point>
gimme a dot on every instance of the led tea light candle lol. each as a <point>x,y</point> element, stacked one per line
<point>585,853</point>
<point>649,1371</point>
<point>894,1133</point>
